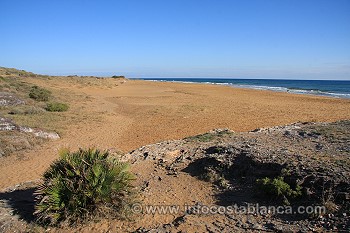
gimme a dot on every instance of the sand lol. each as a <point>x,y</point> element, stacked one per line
<point>110,114</point>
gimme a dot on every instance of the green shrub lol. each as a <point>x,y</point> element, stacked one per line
<point>56,107</point>
<point>81,185</point>
<point>278,188</point>
<point>39,94</point>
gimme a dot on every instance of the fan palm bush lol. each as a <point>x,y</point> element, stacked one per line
<point>81,185</point>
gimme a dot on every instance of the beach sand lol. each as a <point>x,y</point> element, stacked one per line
<point>111,114</point>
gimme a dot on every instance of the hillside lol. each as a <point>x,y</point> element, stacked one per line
<point>25,120</point>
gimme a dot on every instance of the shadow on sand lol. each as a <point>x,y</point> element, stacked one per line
<point>242,171</point>
<point>22,202</point>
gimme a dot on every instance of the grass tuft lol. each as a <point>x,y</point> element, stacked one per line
<point>56,107</point>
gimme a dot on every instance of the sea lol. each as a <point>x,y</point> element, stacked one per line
<point>330,88</point>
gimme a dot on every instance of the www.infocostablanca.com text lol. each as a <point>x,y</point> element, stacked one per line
<point>227,210</point>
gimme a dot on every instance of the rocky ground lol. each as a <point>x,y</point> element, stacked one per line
<point>14,137</point>
<point>222,168</point>
<point>314,156</point>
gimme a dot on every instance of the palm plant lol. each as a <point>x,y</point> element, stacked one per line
<point>83,184</point>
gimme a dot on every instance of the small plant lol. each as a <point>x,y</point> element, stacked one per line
<point>223,183</point>
<point>206,137</point>
<point>209,175</point>
<point>278,188</point>
<point>39,94</point>
<point>83,184</point>
<point>56,107</point>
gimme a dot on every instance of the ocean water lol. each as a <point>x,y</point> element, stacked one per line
<point>338,89</point>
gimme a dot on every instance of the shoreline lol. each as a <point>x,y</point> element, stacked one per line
<point>299,91</point>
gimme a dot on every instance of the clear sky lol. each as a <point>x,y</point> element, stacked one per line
<point>295,39</point>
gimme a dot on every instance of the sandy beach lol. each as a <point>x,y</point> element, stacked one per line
<point>110,114</point>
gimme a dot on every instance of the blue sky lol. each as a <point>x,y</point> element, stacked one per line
<point>294,39</point>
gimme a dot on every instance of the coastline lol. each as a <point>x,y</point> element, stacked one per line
<point>260,84</point>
